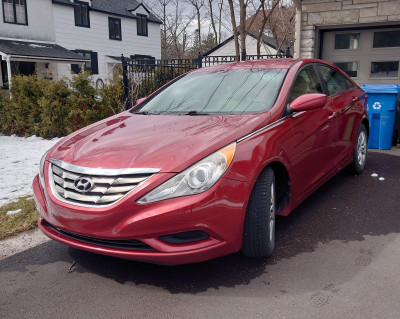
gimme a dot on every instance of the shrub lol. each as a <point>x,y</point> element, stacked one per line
<point>55,105</point>
<point>112,93</point>
<point>5,115</point>
<point>25,93</point>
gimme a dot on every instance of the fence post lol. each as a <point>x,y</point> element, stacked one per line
<point>125,82</point>
<point>243,55</point>
<point>288,52</point>
<point>199,61</point>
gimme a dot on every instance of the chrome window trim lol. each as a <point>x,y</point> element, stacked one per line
<point>89,171</point>
<point>102,171</point>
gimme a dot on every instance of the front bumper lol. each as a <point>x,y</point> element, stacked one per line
<point>219,213</point>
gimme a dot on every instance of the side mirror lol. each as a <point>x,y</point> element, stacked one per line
<point>308,101</point>
<point>138,101</point>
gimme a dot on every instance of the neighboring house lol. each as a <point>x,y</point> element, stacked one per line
<point>278,24</point>
<point>277,34</point>
<point>227,48</point>
<point>57,37</point>
<point>360,36</point>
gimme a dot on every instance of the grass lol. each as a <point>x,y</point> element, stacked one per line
<point>14,224</point>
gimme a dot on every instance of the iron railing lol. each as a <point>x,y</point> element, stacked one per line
<point>142,77</point>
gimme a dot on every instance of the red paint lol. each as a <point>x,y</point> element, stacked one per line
<point>312,145</point>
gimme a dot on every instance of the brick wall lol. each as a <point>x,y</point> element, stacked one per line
<point>319,13</point>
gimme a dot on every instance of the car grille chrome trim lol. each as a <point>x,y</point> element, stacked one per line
<point>110,185</point>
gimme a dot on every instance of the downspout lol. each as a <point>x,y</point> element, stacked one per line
<point>8,60</point>
<point>1,74</point>
<point>297,43</point>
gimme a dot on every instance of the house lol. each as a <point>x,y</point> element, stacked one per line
<point>57,37</point>
<point>268,46</point>
<point>362,37</point>
<point>277,34</point>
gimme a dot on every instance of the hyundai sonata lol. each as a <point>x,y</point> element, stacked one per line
<point>200,168</point>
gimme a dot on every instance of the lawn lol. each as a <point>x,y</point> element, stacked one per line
<point>24,220</point>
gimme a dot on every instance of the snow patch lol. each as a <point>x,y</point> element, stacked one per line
<point>13,212</point>
<point>19,164</point>
<point>381,178</point>
<point>374,175</point>
<point>37,45</point>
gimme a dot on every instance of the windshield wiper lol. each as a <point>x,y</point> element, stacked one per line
<point>193,112</point>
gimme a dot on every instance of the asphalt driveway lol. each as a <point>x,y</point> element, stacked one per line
<point>337,256</point>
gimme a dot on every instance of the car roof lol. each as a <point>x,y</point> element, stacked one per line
<point>254,64</point>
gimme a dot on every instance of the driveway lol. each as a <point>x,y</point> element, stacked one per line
<point>337,256</point>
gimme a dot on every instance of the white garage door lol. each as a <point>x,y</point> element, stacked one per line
<point>369,56</point>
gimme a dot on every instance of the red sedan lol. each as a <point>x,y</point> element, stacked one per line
<point>200,168</point>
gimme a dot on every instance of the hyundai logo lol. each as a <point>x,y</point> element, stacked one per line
<point>83,184</point>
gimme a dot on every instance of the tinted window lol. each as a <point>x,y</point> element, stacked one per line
<point>81,12</point>
<point>306,82</point>
<point>335,81</point>
<point>351,68</point>
<point>388,69</point>
<point>141,25</point>
<point>219,92</point>
<point>347,41</point>
<point>90,66</point>
<point>387,39</point>
<point>114,28</point>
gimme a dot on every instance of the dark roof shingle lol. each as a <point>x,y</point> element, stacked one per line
<point>37,50</point>
<point>117,7</point>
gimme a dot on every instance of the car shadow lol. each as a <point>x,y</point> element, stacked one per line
<point>346,208</point>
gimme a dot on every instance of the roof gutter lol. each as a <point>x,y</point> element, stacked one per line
<point>42,59</point>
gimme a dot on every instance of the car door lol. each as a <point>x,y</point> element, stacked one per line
<point>313,156</point>
<point>346,110</point>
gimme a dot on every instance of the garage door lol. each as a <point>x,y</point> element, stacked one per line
<point>369,56</point>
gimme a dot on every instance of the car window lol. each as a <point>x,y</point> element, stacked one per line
<point>335,81</point>
<point>306,82</point>
<point>218,92</point>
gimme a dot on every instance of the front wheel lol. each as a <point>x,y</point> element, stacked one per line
<point>360,152</point>
<point>259,225</point>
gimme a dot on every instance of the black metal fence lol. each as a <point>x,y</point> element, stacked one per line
<point>142,77</point>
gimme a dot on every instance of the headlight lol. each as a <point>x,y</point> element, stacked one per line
<point>41,169</point>
<point>194,180</point>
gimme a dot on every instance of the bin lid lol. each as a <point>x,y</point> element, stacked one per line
<point>381,88</point>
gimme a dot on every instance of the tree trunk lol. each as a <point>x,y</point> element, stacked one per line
<point>234,28</point>
<point>242,27</point>
<point>220,21</point>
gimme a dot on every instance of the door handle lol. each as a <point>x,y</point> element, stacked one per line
<point>332,115</point>
<point>355,98</point>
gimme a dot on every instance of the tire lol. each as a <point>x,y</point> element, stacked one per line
<point>360,152</point>
<point>259,224</point>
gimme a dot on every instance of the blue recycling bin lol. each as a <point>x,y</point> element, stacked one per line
<point>381,109</point>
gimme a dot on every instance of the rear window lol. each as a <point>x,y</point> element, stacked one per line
<point>220,92</point>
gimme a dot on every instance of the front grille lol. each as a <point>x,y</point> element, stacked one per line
<point>124,244</point>
<point>85,186</point>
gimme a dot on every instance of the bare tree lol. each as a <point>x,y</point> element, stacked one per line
<point>161,10</point>
<point>220,6</point>
<point>234,28</point>
<point>198,5</point>
<point>210,6</point>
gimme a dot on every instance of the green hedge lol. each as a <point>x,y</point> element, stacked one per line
<point>51,108</point>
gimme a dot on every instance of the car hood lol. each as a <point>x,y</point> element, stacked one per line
<point>167,142</point>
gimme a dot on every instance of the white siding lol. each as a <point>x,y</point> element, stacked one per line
<point>40,23</point>
<point>251,48</point>
<point>96,38</point>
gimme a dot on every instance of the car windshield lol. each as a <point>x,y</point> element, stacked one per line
<point>220,92</point>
